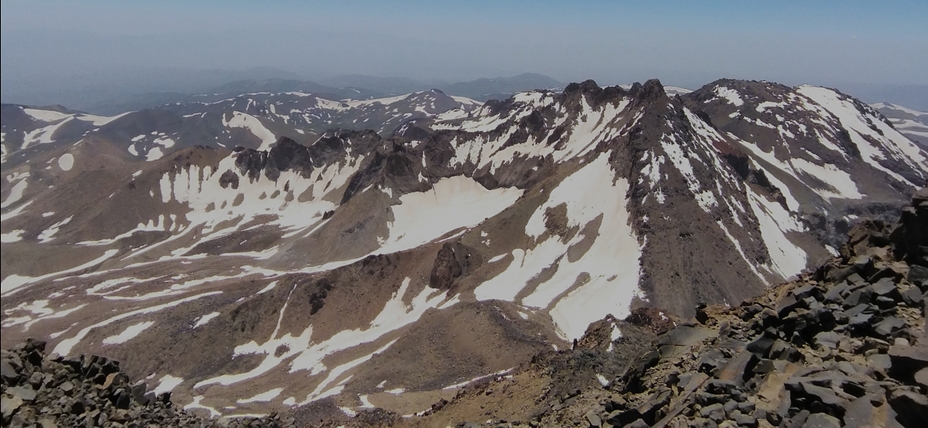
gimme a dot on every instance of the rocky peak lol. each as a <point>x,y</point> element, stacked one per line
<point>288,155</point>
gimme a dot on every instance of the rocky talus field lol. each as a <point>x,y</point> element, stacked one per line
<point>843,345</point>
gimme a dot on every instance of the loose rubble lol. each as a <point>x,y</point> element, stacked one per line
<point>89,391</point>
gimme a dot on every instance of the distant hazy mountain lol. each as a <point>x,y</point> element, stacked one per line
<point>285,85</point>
<point>115,91</point>
<point>231,90</point>
<point>118,91</point>
<point>217,120</point>
<point>501,87</point>
<point>909,95</point>
<point>481,89</point>
<point>383,85</point>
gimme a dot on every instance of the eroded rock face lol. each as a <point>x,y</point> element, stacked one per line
<point>288,155</point>
<point>453,261</point>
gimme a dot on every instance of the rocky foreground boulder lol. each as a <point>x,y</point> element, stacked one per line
<point>844,345</point>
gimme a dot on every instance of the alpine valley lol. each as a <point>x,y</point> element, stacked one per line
<point>286,253</point>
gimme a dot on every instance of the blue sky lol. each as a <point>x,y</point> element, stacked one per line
<point>682,42</point>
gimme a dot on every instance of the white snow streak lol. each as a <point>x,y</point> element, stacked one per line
<point>129,333</point>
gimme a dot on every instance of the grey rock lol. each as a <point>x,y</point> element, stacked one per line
<point>736,369</point>
<point>858,297</point>
<point>860,321</point>
<point>911,407</point>
<point>784,351</point>
<point>638,423</point>
<point>822,420</point>
<point>9,405</point>
<point>888,326</point>
<point>768,317</point>
<point>744,420</point>
<point>886,272</point>
<point>764,366</point>
<point>7,371</point>
<point>746,407</point>
<point>859,309</point>
<point>800,418</point>
<point>862,263</point>
<point>917,274</point>
<point>884,287</point>
<point>885,302</point>
<point>36,380</point>
<point>787,304</point>
<point>25,393</point>
<point>716,412</point>
<point>855,279</point>
<point>834,295</point>
<point>913,297</point>
<point>710,361</point>
<point>806,388</point>
<point>47,422</point>
<point>803,291</point>
<point>761,346</point>
<point>760,415</point>
<point>706,399</point>
<point>921,378</point>
<point>730,406</point>
<point>840,274</point>
<point>879,361</point>
<point>863,413</point>
<point>827,339</point>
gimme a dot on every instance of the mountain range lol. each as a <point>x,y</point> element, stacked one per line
<point>281,249</point>
<point>115,97</point>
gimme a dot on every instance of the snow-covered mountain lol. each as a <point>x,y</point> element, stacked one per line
<point>251,120</point>
<point>453,241</point>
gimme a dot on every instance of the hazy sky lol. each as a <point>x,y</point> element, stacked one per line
<point>687,43</point>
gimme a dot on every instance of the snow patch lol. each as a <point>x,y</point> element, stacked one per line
<point>262,397</point>
<point>12,236</point>
<point>167,383</point>
<point>205,319</point>
<point>729,95</point>
<point>129,333</point>
<point>153,154</point>
<point>251,123</point>
<point>16,192</point>
<point>452,203</point>
<point>66,162</point>
<point>787,258</point>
